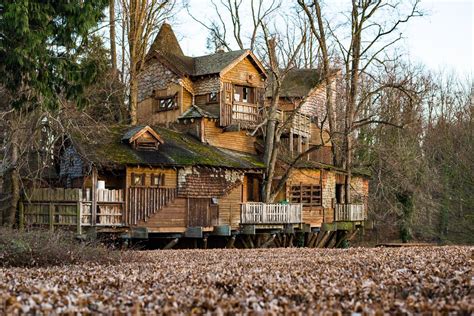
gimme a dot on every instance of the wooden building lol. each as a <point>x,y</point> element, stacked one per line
<point>193,169</point>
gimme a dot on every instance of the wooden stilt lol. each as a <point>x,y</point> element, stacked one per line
<point>353,234</point>
<point>250,241</point>
<point>290,241</point>
<point>171,244</point>
<point>268,241</point>
<point>230,243</point>
<point>277,241</point>
<point>320,243</point>
<point>204,243</point>
<point>330,240</point>
<point>340,238</point>
<point>246,246</point>
<point>313,240</point>
<point>284,241</point>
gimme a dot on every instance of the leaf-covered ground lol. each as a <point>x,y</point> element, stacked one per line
<point>387,280</point>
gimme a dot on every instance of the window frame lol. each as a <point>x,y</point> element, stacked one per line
<point>157,106</point>
<point>304,194</point>
<point>212,100</point>
<point>142,179</point>
<point>161,179</point>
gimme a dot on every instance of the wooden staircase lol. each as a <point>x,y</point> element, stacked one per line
<point>143,203</point>
<point>171,215</point>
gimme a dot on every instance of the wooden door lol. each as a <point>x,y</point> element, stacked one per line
<point>201,213</point>
<point>226,105</point>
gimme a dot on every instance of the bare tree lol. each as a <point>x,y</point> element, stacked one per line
<point>219,27</point>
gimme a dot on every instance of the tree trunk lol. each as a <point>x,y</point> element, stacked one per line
<point>113,46</point>
<point>12,183</point>
<point>133,98</point>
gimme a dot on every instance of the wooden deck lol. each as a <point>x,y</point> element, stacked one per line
<point>265,213</point>
<point>54,207</point>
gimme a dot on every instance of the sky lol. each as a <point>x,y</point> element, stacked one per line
<point>443,39</point>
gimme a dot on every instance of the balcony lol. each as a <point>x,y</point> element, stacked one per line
<point>265,213</point>
<point>349,212</point>
<point>300,124</point>
<point>245,114</point>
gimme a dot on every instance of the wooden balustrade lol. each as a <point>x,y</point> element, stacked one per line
<point>265,213</point>
<point>246,114</point>
<point>144,202</point>
<point>300,124</point>
<point>349,212</point>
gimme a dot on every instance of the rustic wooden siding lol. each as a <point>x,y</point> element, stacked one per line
<point>145,114</point>
<point>229,208</point>
<point>187,100</point>
<point>239,74</point>
<point>171,175</point>
<point>172,218</point>
<point>155,76</point>
<point>315,215</point>
<point>238,141</point>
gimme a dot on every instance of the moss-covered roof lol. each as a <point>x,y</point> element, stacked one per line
<point>178,149</point>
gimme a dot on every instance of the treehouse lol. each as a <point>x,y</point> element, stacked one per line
<point>193,167</point>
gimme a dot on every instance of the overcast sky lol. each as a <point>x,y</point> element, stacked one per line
<point>443,39</point>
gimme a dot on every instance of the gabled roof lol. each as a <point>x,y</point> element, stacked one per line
<point>135,132</point>
<point>106,149</point>
<point>299,82</point>
<point>166,48</point>
<point>195,112</point>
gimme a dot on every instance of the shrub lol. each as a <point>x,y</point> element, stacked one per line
<point>37,248</point>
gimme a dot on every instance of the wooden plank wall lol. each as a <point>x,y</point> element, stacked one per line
<point>229,208</point>
<point>145,114</point>
<point>171,218</point>
<point>238,141</point>
<point>313,215</point>
<point>239,74</point>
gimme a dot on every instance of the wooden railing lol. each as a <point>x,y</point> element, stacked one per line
<point>265,213</point>
<point>144,202</point>
<point>64,207</point>
<point>110,208</point>
<point>349,212</point>
<point>246,114</point>
<point>300,124</point>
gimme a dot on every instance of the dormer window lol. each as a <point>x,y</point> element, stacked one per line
<point>143,138</point>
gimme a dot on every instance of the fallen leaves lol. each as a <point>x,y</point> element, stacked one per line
<point>360,280</point>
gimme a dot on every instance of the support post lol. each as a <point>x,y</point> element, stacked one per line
<point>230,243</point>
<point>268,241</point>
<point>291,144</point>
<point>94,197</point>
<point>204,243</point>
<point>79,217</point>
<point>51,216</point>
<point>171,244</point>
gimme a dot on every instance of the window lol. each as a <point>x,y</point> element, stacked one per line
<point>138,179</point>
<point>308,195</point>
<point>165,104</point>
<point>158,180</point>
<point>213,97</point>
<point>244,94</point>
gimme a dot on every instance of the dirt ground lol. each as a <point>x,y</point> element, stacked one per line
<point>258,281</point>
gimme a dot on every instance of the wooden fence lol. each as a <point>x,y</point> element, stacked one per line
<point>349,212</point>
<point>71,207</point>
<point>265,213</point>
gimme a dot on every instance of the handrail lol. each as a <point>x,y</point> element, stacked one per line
<point>271,213</point>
